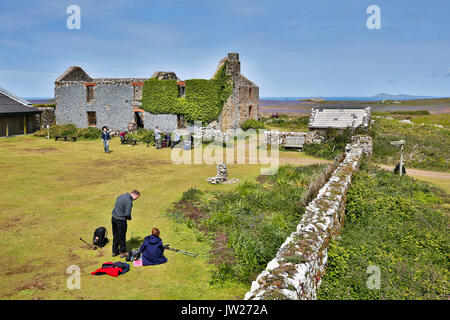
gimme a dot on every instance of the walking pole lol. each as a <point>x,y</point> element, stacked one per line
<point>93,248</point>
<point>194,255</point>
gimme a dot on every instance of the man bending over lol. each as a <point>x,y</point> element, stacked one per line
<point>120,214</point>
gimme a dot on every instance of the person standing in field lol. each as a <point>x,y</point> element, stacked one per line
<point>157,137</point>
<point>106,137</point>
<point>120,214</point>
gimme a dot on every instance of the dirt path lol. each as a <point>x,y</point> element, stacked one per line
<point>423,173</point>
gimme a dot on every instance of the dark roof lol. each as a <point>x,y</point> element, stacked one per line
<point>13,105</point>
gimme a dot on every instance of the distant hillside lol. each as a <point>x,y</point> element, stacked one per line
<point>386,96</point>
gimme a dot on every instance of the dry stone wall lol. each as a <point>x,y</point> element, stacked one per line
<point>312,136</point>
<point>296,271</point>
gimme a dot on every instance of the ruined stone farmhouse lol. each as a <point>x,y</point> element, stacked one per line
<point>117,103</point>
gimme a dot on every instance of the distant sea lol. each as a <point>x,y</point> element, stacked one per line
<point>38,100</point>
<point>344,98</point>
<point>46,99</point>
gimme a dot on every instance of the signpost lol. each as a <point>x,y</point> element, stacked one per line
<point>400,144</point>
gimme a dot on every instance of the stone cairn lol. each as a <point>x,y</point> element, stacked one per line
<point>222,175</point>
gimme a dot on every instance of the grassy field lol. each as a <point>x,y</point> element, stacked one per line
<point>399,225</point>
<point>442,119</point>
<point>426,146</point>
<point>53,192</point>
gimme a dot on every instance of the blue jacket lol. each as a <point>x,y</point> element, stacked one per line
<point>106,136</point>
<point>152,251</point>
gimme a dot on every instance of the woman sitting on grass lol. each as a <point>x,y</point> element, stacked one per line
<point>152,249</point>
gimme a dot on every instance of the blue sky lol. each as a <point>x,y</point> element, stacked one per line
<point>289,48</point>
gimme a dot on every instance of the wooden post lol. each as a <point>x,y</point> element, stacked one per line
<point>7,127</point>
<point>24,125</point>
<point>401,161</point>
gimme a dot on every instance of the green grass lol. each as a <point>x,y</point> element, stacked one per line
<point>247,225</point>
<point>419,117</point>
<point>426,147</point>
<point>399,225</point>
<point>287,123</point>
<point>333,146</point>
<point>53,192</point>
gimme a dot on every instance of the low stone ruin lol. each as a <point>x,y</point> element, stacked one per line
<point>279,137</point>
<point>222,175</point>
<point>313,136</point>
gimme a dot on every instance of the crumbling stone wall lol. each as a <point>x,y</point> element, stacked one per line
<point>312,136</point>
<point>47,117</point>
<point>243,103</point>
<point>279,137</point>
<point>296,271</point>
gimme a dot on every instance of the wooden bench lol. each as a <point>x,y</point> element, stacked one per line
<point>294,142</point>
<point>65,138</point>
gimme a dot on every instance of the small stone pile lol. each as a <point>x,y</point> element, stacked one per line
<point>222,175</point>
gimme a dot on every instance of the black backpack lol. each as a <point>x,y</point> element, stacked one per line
<point>100,238</point>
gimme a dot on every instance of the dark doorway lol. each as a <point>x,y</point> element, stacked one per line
<point>181,122</point>
<point>138,119</point>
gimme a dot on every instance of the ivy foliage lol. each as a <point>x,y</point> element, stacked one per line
<point>203,101</point>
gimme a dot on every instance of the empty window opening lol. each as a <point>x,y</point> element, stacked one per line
<point>181,91</point>
<point>250,93</point>
<point>250,111</point>
<point>181,122</point>
<point>89,93</point>
<point>92,118</point>
<point>137,92</point>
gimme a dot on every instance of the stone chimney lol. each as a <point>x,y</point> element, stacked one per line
<point>233,64</point>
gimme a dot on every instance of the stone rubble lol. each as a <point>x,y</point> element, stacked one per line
<point>222,175</point>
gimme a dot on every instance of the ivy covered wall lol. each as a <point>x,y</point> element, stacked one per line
<point>203,101</point>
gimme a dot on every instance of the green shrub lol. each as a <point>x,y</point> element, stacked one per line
<point>333,146</point>
<point>142,136</point>
<point>70,130</point>
<point>397,224</point>
<point>90,133</point>
<point>58,130</point>
<point>252,124</point>
<point>286,122</point>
